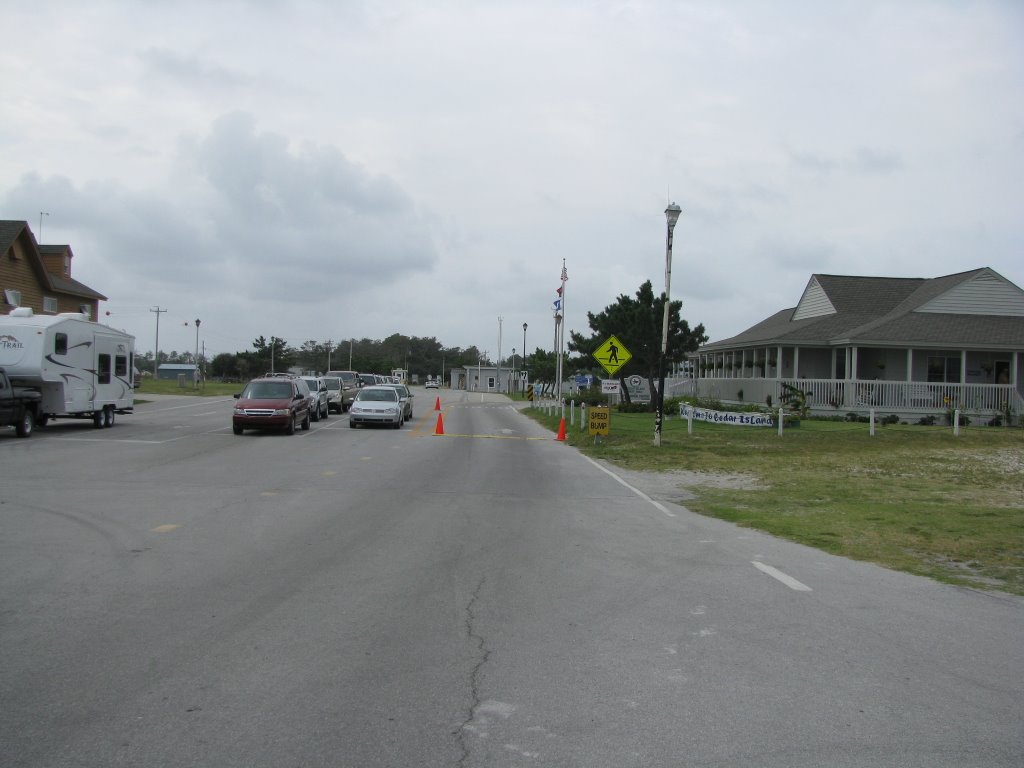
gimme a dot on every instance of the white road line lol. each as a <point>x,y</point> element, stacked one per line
<point>775,573</point>
<point>637,491</point>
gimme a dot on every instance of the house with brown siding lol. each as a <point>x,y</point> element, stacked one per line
<point>909,346</point>
<point>39,276</point>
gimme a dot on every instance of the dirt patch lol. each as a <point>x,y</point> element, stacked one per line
<point>676,485</point>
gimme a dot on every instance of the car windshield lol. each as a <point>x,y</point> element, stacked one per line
<point>333,383</point>
<point>311,383</point>
<point>268,390</point>
<point>379,395</point>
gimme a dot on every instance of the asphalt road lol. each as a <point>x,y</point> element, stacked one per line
<point>175,595</point>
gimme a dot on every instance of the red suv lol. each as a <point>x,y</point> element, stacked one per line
<point>272,402</point>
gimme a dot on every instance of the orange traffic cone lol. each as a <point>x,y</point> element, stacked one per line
<point>439,429</point>
<point>561,431</point>
<point>437,404</point>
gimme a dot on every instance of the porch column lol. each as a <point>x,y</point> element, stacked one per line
<point>963,366</point>
<point>853,362</point>
<point>796,362</point>
<point>833,374</point>
<point>910,364</point>
<point>778,362</point>
<point>1014,362</point>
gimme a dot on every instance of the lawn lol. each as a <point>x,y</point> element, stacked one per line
<point>205,389</point>
<point>912,498</point>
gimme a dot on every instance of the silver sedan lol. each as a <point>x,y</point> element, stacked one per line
<point>377,405</point>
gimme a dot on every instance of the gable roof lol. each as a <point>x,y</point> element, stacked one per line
<point>979,307</point>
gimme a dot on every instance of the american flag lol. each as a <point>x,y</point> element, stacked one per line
<point>565,275</point>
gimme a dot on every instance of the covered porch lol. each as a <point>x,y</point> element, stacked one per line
<point>909,382</point>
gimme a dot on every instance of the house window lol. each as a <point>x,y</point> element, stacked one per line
<point>103,369</point>
<point>12,254</point>
<point>67,265</point>
<point>60,344</point>
<point>49,304</point>
<point>944,369</point>
<point>12,297</point>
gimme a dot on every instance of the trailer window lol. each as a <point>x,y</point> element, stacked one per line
<point>120,365</point>
<point>103,369</point>
<point>60,344</point>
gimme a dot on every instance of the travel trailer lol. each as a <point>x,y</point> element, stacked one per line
<point>82,369</point>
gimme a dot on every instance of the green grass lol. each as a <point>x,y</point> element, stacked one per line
<point>206,389</point>
<point>912,498</point>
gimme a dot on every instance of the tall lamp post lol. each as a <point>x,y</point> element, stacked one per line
<point>524,349</point>
<point>671,217</point>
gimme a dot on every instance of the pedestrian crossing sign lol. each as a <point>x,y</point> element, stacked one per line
<point>612,355</point>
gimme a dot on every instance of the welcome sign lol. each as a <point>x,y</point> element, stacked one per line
<point>726,417</point>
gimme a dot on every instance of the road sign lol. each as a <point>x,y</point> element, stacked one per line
<point>612,355</point>
<point>599,418</point>
<point>610,387</point>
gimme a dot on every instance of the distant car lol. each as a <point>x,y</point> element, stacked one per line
<point>321,400</point>
<point>432,384</point>
<point>376,405</point>
<point>368,379</point>
<point>278,402</point>
<point>405,396</point>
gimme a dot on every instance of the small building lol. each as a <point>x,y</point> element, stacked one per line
<point>484,378</point>
<point>171,371</point>
<point>905,346</point>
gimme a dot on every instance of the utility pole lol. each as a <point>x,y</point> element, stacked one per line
<point>156,351</point>
<point>329,342</point>
<point>497,374</point>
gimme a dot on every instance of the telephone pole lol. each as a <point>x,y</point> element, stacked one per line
<point>156,351</point>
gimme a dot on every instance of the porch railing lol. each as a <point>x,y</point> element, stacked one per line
<point>826,395</point>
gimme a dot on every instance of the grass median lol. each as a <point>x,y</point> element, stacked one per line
<point>912,498</point>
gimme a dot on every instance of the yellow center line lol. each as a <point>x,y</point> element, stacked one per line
<point>165,528</point>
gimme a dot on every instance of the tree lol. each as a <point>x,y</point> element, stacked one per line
<point>637,323</point>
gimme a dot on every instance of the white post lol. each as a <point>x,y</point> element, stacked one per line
<point>780,422</point>
<point>956,423</point>
<point>871,426</point>
<point>583,416</point>
<point>572,413</point>
<point>689,421</point>
<point>562,401</point>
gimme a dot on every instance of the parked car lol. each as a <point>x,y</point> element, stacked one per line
<point>405,396</point>
<point>273,402</point>
<point>350,384</point>
<point>376,405</point>
<point>432,384</point>
<point>321,400</point>
<point>335,394</point>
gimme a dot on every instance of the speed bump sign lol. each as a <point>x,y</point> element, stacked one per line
<point>599,417</point>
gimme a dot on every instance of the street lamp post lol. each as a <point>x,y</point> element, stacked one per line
<point>524,347</point>
<point>513,383</point>
<point>671,217</point>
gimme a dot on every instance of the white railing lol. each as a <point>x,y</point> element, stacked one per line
<point>824,395</point>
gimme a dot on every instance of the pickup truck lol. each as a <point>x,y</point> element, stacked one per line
<point>18,406</point>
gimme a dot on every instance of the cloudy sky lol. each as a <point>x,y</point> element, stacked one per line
<point>326,170</point>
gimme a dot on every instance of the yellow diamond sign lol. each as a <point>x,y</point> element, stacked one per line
<point>612,355</point>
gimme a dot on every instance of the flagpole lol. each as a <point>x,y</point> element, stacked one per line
<point>561,334</point>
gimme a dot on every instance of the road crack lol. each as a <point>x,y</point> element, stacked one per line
<point>483,654</point>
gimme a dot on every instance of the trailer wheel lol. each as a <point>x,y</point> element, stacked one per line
<point>108,416</point>
<point>24,426</point>
<point>97,419</point>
